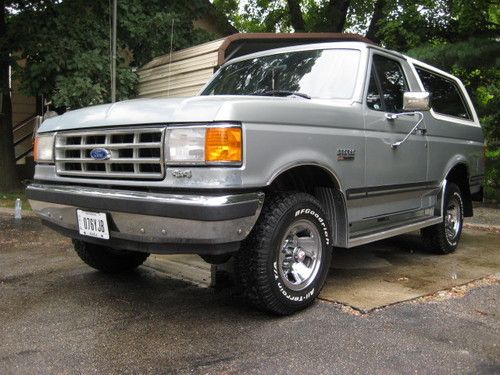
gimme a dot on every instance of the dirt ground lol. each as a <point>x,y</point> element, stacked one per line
<point>485,214</point>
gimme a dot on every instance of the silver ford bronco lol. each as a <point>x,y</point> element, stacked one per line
<point>283,156</point>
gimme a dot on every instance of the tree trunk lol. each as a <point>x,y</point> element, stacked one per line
<point>378,14</point>
<point>296,19</point>
<point>338,14</point>
<point>8,171</point>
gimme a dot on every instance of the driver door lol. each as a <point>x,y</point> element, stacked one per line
<point>396,178</point>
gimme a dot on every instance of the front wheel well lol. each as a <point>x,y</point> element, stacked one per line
<point>303,178</point>
<point>460,176</point>
<point>324,186</point>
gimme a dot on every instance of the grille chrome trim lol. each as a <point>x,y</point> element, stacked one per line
<point>136,153</point>
<point>110,146</point>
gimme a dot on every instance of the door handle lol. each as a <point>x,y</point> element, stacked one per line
<point>394,116</point>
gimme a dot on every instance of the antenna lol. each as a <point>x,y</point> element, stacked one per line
<point>170,57</point>
<point>113,52</point>
<point>110,23</point>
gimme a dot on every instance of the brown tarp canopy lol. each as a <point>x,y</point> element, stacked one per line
<point>244,43</point>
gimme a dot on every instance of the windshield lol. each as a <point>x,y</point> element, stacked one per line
<point>325,74</point>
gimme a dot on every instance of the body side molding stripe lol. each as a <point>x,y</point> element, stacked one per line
<point>373,191</point>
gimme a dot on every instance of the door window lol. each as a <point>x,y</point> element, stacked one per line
<point>373,97</point>
<point>388,83</point>
<point>445,96</point>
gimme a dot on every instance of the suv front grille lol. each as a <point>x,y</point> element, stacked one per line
<point>130,153</point>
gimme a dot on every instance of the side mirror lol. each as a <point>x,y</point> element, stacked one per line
<point>416,101</point>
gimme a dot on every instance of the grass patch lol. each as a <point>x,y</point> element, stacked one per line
<point>9,200</point>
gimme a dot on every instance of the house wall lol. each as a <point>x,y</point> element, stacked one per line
<point>183,73</point>
<point>23,107</point>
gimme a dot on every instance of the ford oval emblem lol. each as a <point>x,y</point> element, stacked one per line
<point>100,154</point>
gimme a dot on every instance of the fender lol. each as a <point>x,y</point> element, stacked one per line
<point>306,163</point>
<point>455,161</point>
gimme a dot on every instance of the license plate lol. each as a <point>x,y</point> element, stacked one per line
<point>93,224</point>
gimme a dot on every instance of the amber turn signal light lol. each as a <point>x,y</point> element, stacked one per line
<point>223,145</point>
<point>35,149</point>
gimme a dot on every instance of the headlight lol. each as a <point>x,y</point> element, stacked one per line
<point>43,148</point>
<point>209,145</point>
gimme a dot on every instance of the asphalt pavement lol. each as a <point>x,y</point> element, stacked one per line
<point>59,316</point>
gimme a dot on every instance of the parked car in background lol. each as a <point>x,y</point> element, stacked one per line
<point>284,155</point>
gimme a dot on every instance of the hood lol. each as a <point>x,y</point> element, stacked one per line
<point>198,109</point>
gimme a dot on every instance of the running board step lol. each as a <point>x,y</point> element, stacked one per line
<point>361,240</point>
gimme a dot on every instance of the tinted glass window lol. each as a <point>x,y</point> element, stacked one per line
<point>444,94</point>
<point>392,82</point>
<point>327,74</point>
<point>373,96</point>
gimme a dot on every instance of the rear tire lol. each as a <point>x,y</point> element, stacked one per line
<point>284,262</point>
<point>108,260</point>
<point>443,238</point>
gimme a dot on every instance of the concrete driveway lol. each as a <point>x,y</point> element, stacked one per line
<point>59,316</point>
<point>400,269</point>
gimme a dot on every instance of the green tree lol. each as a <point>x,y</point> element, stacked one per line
<point>65,46</point>
<point>67,52</point>
<point>459,36</point>
<point>398,24</point>
<point>9,179</point>
<point>302,15</point>
<point>475,61</point>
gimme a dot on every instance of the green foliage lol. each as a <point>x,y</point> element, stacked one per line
<point>406,24</point>
<point>469,54</point>
<point>66,44</point>
<point>492,174</point>
<point>256,15</point>
<point>8,199</point>
<point>458,36</point>
<point>273,15</point>
<point>475,61</point>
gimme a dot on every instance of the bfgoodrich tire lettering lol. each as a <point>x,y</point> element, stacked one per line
<point>284,262</point>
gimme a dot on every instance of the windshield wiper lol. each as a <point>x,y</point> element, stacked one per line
<point>282,93</point>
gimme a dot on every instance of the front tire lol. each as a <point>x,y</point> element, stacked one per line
<point>284,262</point>
<point>108,260</point>
<point>443,238</point>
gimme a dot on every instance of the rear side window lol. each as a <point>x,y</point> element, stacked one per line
<point>445,95</point>
<point>387,85</point>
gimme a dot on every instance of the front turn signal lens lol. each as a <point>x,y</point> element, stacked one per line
<point>223,145</point>
<point>43,148</point>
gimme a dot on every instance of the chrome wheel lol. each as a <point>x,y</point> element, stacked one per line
<point>300,255</point>
<point>453,219</point>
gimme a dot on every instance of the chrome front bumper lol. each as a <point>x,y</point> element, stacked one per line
<point>152,222</point>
